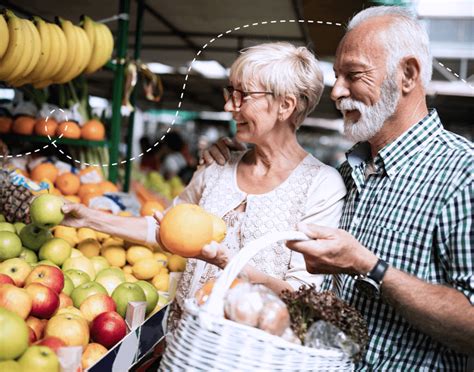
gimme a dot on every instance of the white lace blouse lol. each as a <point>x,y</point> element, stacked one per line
<point>313,193</point>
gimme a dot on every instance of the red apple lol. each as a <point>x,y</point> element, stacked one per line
<point>50,276</point>
<point>97,304</point>
<point>72,329</point>
<point>108,328</point>
<point>17,269</point>
<point>36,325</point>
<point>92,354</point>
<point>45,301</point>
<point>54,343</point>
<point>15,299</point>
<point>64,301</point>
<point>31,336</point>
<point>5,279</point>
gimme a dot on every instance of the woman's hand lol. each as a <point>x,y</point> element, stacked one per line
<point>216,254</point>
<point>76,215</point>
<point>158,216</point>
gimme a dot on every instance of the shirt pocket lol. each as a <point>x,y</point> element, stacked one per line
<point>405,250</point>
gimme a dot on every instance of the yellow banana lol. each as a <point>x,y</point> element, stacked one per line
<point>24,63</point>
<point>87,52</point>
<point>72,61</point>
<point>36,50</point>
<point>5,36</point>
<point>50,57</point>
<point>44,51</point>
<point>18,34</point>
<point>63,49</point>
<point>109,43</point>
<point>88,26</point>
<point>97,49</point>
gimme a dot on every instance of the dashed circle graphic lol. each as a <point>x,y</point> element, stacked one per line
<point>262,23</point>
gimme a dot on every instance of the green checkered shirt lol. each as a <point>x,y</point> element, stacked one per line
<point>415,212</point>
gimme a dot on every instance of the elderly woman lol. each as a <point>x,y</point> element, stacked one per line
<point>271,187</point>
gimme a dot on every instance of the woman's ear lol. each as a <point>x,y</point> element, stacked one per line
<point>287,107</point>
<point>410,74</point>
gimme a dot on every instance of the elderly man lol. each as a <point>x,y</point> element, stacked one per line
<point>403,255</point>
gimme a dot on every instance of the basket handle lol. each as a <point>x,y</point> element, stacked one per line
<point>215,303</point>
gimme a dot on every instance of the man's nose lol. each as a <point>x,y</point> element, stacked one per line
<point>340,89</point>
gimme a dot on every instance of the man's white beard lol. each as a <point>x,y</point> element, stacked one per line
<point>373,117</point>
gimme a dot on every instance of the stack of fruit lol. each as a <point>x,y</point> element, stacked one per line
<point>169,189</point>
<point>92,130</point>
<point>76,295</point>
<point>41,53</point>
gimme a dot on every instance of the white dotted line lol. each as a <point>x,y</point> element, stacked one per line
<point>184,88</point>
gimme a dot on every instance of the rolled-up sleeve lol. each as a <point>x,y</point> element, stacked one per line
<point>323,207</point>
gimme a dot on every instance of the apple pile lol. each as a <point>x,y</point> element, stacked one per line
<point>64,287</point>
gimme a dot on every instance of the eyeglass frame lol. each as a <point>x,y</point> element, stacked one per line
<point>230,91</point>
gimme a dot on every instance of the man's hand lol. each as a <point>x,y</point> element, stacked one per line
<point>216,254</point>
<point>220,151</point>
<point>76,215</point>
<point>333,251</point>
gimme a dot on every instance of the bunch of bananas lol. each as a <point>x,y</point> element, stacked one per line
<point>41,53</point>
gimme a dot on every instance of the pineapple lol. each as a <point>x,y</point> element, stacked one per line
<point>15,200</point>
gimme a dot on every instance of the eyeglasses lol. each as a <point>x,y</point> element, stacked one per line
<point>238,95</point>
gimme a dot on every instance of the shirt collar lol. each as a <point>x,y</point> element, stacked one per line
<point>393,156</point>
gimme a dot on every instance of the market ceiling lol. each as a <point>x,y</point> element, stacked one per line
<point>175,30</point>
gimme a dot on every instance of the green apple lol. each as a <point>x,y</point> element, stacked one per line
<point>110,279</point>
<point>14,335</point>
<point>76,253</point>
<point>77,277</point>
<point>68,285</point>
<point>99,263</point>
<point>18,227</point>
<point>56,250</point>
<point>46,262</point>
<point>10,366</point>
<point>17,269</point>
<point>45,211</point>
<point>80,263</point>
<point>5,226</point>
<point>2,218</point>
<point>33,237</point>
<point>39,359</point>
<point>10,245</point>
<point>151,295</point>
<point>125,293</point>
<point>28,255</point>
<point>79,294</point>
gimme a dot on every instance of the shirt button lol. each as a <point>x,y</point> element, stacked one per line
<point>356,221</point>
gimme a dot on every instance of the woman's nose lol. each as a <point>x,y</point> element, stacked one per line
<point>229,106</point>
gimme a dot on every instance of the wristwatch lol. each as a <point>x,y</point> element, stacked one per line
<point>369,284</point>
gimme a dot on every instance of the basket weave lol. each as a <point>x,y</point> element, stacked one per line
<point>205,341</point>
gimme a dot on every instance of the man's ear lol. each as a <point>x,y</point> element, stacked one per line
<point>410,74</point>
<point>287,107</point>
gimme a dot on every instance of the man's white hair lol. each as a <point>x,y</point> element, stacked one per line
<point>405,36</point>
<point>283,69</point>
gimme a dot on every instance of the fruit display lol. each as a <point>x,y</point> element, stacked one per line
<point>41,53</point>
<point>61,286</point>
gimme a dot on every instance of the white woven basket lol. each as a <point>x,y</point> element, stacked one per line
<point>205,341</point>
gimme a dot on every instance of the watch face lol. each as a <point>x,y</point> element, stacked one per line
<point>367,287</point>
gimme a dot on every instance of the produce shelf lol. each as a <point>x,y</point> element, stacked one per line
<point>16,138</point>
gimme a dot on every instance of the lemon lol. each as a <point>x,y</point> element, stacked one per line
<point>176,263</point>
<point>89,247</point>
<point>101,236</point>
<point>127,269</point>
<point>161,258</point>
<point>67,233</point>
<point>129,278</point>
<point>161,282</point>
<point>164,270</point>
<point>115,254</point>
<point>146,269</point>
<point>75,253</point>
<point>137,253</point>
<point>85,233</point>
<point>112,241</point>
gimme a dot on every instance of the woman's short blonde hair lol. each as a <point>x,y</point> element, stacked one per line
<point>283,69</point>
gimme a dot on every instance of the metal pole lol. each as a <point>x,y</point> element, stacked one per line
<point>133,96</point>
<point>118,91</point>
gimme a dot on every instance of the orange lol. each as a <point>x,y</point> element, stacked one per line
<point>5,124</point>
<point>69,129</point>
<point>185,229</point>
<point>45,127</point>
<point>68,183</point>
<point>73,198</point>
<point>150,207</point>
<point>87,188</point>
<point>107,186</point>
<point>44,170</point>
<point>90,195</point>
<point>24,125</point>
<point>93,130</point>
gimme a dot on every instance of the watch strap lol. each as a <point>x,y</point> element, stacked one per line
<point>378,272</point>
